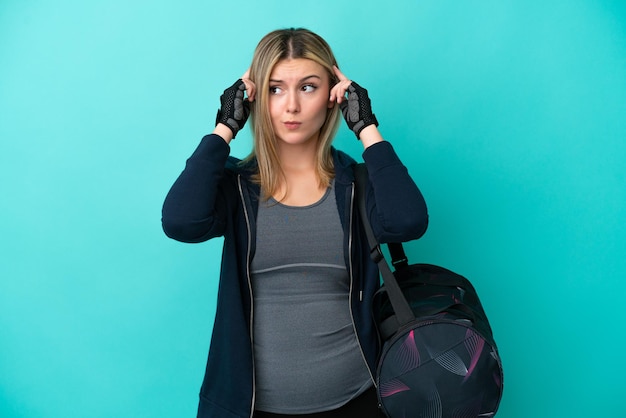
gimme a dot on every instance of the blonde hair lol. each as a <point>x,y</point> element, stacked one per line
<point>274,47</point>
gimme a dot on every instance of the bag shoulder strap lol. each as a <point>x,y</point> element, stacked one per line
<point>402,309</point>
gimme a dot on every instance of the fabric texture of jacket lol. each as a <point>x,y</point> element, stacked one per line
<point>214,197</point>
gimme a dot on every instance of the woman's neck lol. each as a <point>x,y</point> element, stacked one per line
<point>298,157</point>
<point>300,185</point>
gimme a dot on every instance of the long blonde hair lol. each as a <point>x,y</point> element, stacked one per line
<point>274,47</point>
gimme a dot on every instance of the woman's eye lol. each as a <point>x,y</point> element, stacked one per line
<point>274,90</point>
<point>308,88</point>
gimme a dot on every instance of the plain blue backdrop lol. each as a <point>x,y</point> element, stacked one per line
<point>509,114</point>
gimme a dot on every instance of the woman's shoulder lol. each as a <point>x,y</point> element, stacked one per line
<point>344,166</point>
<point>245,167</point>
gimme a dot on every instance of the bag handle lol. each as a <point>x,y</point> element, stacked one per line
<point>402,309</point>
<point>390,325</point>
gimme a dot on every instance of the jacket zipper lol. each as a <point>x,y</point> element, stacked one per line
<point>246,216</point>
<point>351,214</point>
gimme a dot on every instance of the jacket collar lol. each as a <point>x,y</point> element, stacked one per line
<point>343,165</point>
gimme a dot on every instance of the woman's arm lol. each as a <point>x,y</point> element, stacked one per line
<point>370,135</point>
<point>195,208</point>
<point>395,205</point>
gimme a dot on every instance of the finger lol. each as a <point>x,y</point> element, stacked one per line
<point>333,93</point>
<point>250,88</point>
<point>339,74</point>
<point>341,90</point>
<point>337,95</point>
<point>338,90</point>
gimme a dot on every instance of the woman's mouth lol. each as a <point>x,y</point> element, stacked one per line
<point>292,125</point>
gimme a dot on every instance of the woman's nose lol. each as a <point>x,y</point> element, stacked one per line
<point>293,104</point>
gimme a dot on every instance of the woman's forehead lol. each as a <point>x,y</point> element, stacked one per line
<point>296,69</point>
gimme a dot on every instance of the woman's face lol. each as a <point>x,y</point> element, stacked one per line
<point>298,100</point>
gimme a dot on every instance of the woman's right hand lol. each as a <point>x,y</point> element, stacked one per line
<point>235,106</point>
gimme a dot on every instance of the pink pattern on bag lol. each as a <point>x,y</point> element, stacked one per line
<point>392,387</point>
<point>474,344</point>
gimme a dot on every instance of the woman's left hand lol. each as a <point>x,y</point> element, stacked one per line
<point>338,91</point>
<point>357,108</point>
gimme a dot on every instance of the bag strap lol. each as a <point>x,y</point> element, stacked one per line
<point>398,257</point>
<point>402,309</point>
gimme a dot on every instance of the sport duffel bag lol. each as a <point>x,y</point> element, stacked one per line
<point>444,362</point>
<point>438,358</point>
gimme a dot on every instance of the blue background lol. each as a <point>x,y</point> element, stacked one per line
<point>509,114</point>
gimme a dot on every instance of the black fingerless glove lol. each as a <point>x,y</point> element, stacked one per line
<point>357,110</point>
<point>235,108</point>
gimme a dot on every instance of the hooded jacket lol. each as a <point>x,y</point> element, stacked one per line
<point>214,197</point>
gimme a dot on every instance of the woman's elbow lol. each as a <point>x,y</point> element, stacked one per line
<point>414,226</point>
<point>406,225</point>
<point>421,225</point>
<point>186,231</point>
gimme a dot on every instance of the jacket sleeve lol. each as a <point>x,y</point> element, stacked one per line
<point>395,205</point>
<point>195,207</point>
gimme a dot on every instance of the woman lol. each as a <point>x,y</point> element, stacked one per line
<point>293,332</point>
